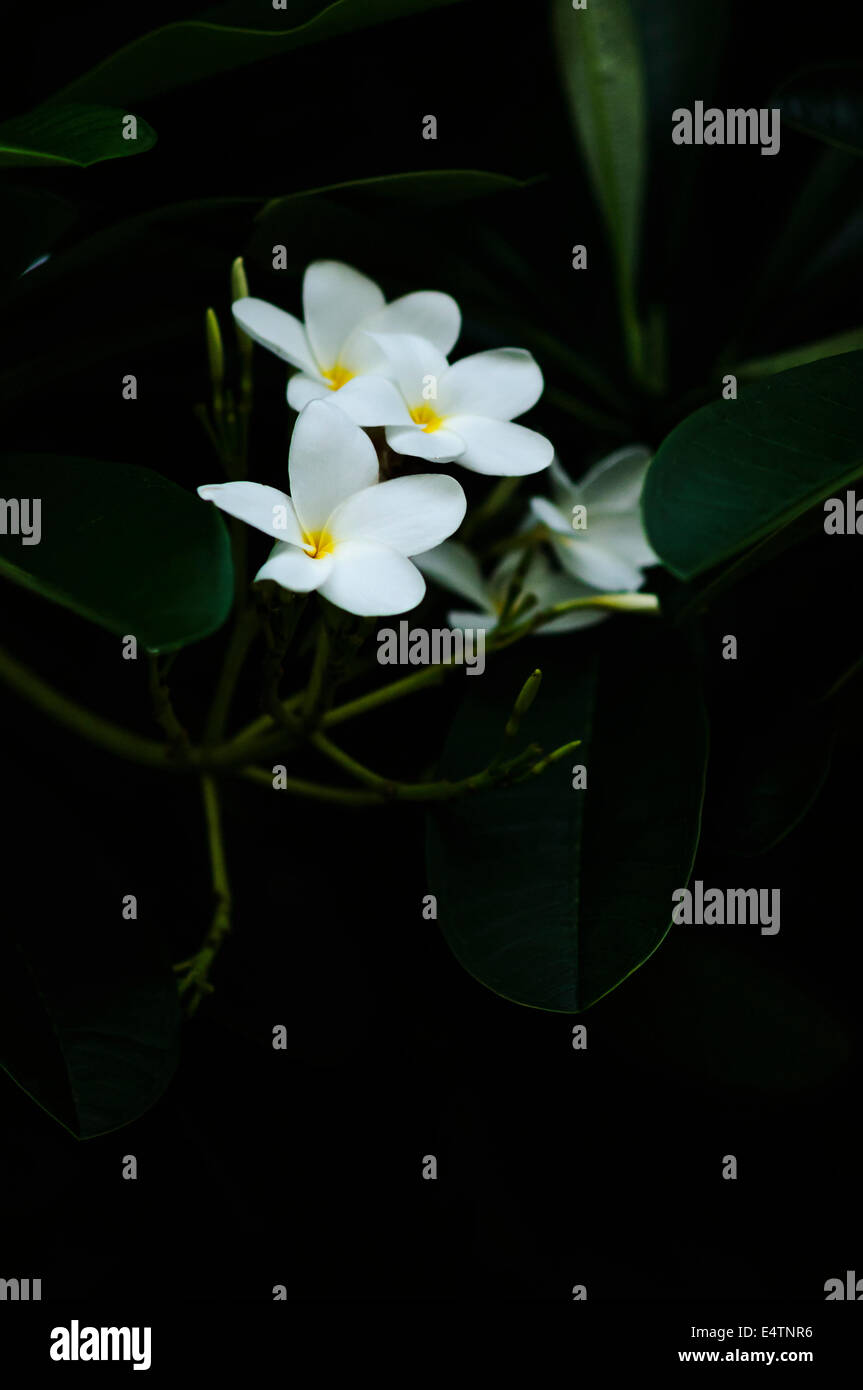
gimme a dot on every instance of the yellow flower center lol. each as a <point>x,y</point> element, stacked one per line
<point>337,376</point>
<point>426,418</point>
<point>318,546</point>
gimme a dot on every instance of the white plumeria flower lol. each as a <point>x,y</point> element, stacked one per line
<point>331,350</point>
<point>341,531</point>
<point>612,552</point>
<point>454,567</point>
<point>464,412</point>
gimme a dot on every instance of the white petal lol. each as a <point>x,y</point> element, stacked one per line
<point>438,446</point>
<point>361,355</point>
<point>372,581</point>
<point>484,622</point>
<point>623,533</point>
<point>415,365</point>
<point>563,489</point>
<point>614,484</point>
<point>303,388</point>
<point>500,448</point>
<point>453,566</point>
<point>274,329</point>
<point>558,588</point>
<point>265,508</point>
<point>551,516</point>
<point>371,400</point>
<point>330,458</point>
<point>294,569</point>
<point>501,383</point>
<point>408,515</point>
<point>598,567</point>
<point>578,618</point>
<point>336,298</point>
<point>427,314</point>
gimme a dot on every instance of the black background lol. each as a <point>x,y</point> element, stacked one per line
<point>303,1168</point>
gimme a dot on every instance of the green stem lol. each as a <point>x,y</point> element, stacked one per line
<point>246,625</point>
<point>315,689</point>
<point>82,721</point>
<point>195,971</point>
<point>163,710</point>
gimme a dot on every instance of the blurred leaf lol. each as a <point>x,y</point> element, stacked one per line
<point>767,779</point>
<point>829,199</point>
<point>227,37</point>
<point>70,134</point>
<point>147,280</point>
<point>33,221</point>
<point>604,82</point>
<point>681,47</point>
<point>799,356</point>
<point>89,1026</point>
<point>422,188</point>
<point>121,546</point>
<point>737,470</point>
<point>548,895</point>
<point>708,1011</point>
<point>827,102</point>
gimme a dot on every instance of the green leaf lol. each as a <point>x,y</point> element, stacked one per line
<point>827,102</point>
<point>227,37</point>
<point>71,134</point>
<point>552,896</point>
<point>604,82</point>
<point>119,545</point>
<point>736,471</point>
<point>89,1026</point>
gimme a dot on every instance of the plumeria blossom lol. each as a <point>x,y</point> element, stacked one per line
<point>612,551</point>
<point>340,531</point>
<point>454,567</point>
<point>463,412</point>
<point>336,358</point>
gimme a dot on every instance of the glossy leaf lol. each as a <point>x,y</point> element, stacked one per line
<point>72,133</point>
<point>738,470</point>
<point>118,545</point>
<point>549,895</point>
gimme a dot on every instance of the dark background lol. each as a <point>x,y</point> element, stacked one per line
<point>556,1167</point>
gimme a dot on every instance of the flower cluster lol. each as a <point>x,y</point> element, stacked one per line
<point>349,532</point>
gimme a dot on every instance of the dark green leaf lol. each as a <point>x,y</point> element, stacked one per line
<point>826,102</point>
<point>737,470</point>
<point>71,134</point>
<point>552,896</point>
<point>227,37</point>
<point>119,545</point>
<point>89,1025</point>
